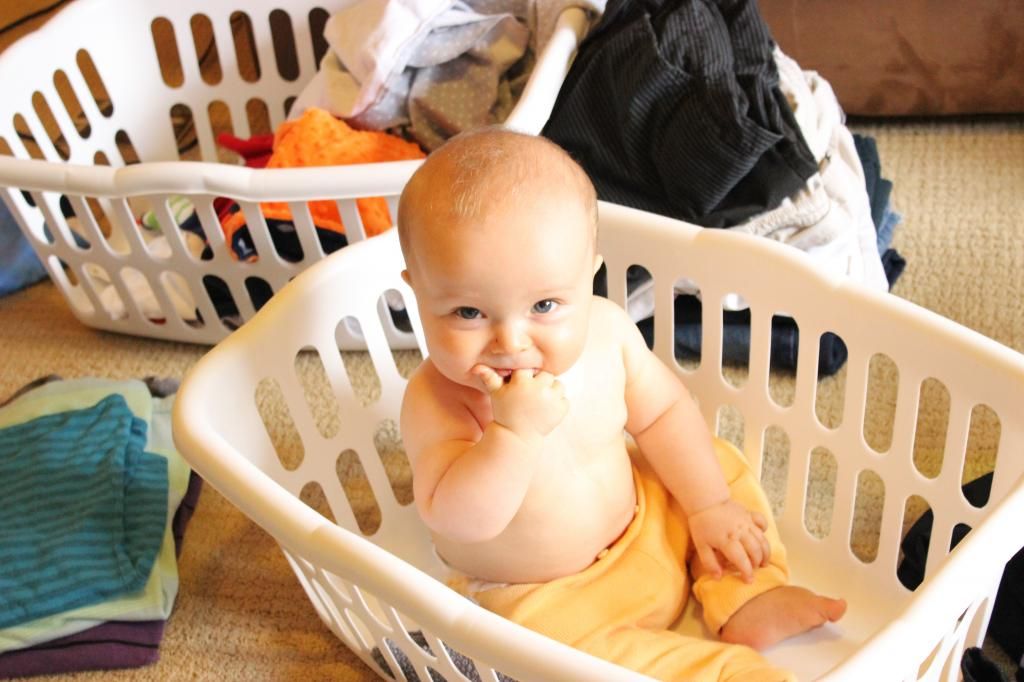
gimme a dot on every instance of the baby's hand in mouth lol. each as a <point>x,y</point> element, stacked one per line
<point>526,401</point>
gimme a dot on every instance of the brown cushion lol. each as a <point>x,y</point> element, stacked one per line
<point>908,57</point>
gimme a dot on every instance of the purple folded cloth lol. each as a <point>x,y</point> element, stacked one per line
<point>114,644</point>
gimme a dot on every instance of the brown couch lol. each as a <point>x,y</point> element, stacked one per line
<point>908,57</point>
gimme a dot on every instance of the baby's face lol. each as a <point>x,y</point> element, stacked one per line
<point>510,291</point>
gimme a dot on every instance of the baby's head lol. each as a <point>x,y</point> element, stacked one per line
<point>498,230</point>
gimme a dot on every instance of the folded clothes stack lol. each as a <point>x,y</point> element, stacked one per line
<point>97,502</point>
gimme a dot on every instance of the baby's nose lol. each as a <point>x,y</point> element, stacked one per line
<point>511,337</point>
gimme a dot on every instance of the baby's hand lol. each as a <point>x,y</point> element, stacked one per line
<point>527,404</point>
<point>736,534</point>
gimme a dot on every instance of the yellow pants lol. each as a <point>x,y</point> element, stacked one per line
<point>619,608</point>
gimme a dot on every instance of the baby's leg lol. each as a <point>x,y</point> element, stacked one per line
<point>779,614</point>
<point>667,655</point>
<point>767,610</point>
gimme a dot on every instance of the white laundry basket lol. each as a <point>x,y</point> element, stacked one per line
<point>96,106</point>
<point>372,591</point>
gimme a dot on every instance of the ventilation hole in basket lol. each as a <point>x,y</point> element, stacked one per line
<point>65,278</point>
<point>126,148</point>
<point>142,293</point>
<point>75,230</point>
<point>245,47</point>
<point>686,323</point>
<point>951,665</point>
<point>407,361</point>
<point>100,159</point>
<point>982,450</point>
<point>102,286</point>
<point>357,625</point>
<point>206,49</point>
<point>830,390</point>
<point>916,541</point>
<point>71,103</point>
<point>220,122</point>
<point>775,467</point>
<point>185,133</point>
<point>357,489</point>
<point>27,139</point>
<point>95,83</point>
<point>259,117</point>
<point>932,425</point>
<point>959,532</point>
<point>259,291</point>
<point>288,102</point>
<point>180,294</point>
<point>880,405</point>
<point>5,150</point>
<point>978,618</point>
<point>924,670</point>
<point>167,54</point>
<point>362,374</point>
<point>317,20</point>
<point>640,300</point>
<point>394,317</point>
<point>399,658</point>
<point>316,387</point>
<point>785,349</point>
<point>312,494</point>
<point>323,599</point>
<point>730,425</point>
<point>867,516</point>
<point>284,235</point>
<point>338,588</point>
<point>735,348</point>
<point>388,442</point>
<point>45,116</point>
<point>821,493</point>
<point>284,45</point>
<point>45,234</point>
<point>99,216</point>
<point>223,302</point>
<point>278,422</point>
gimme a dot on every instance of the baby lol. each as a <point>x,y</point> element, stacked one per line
<point>515,428</point>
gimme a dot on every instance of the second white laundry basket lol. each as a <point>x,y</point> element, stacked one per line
<point>113,107</point>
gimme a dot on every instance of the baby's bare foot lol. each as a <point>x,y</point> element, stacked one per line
<point>778,614</point>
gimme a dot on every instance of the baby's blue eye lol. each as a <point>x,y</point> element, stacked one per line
<point>545,306</point>
<point>467,313</point>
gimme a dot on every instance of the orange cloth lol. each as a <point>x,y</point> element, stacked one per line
<point>319,139</point>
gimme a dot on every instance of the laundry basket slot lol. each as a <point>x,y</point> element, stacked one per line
<point>842,503</point>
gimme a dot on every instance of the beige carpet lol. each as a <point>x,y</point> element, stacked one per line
<point>241,615</point>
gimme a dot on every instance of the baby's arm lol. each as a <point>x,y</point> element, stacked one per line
<point>469,483</point>
<point>674,438</point>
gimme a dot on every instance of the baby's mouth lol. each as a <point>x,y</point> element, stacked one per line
<point>506,373</point>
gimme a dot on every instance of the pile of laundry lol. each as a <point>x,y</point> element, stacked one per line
<point>690,110</point>
<point>93,521</point>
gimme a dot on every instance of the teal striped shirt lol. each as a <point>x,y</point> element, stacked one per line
<point>84,510</point>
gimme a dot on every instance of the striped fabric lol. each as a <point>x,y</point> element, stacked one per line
<point>84,510</point>
<point>674,107</point>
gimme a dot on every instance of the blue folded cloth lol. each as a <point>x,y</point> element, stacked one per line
<point>19,265</point>
<point>84,510</point>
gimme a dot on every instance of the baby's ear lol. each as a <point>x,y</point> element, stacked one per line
<point>598,262</point>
